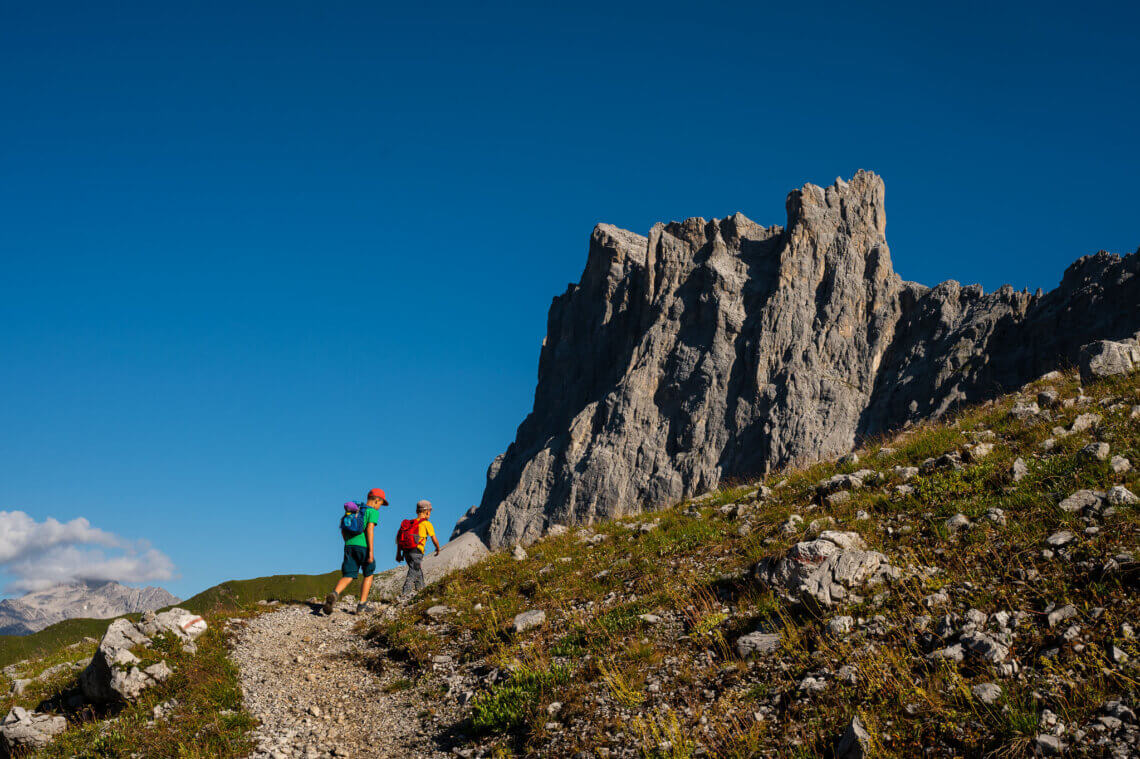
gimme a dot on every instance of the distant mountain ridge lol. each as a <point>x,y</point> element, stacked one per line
<point>39,609</point>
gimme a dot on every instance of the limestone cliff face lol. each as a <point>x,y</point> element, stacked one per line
<point>722,348</point>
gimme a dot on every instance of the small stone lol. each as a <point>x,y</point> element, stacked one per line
<point>439,611</point>
<point>1081,500</point>
<point>843,496</point>
<point>650,619</point>
<point>1019,469</point>
<point>841,625</point>
<point>757,643</point>
<point>1084,422</point>
<point>996,515</point>
<point>315,710</point>
<point>1060,615</point>
<point>813,684</point>
<point>1048,398</point>
<point>936,599</point>
<point>906,472</point>
<point>987,693</point>
<point>986,646</point>
<point>1119,495</point>
<point>975,453</point>
<point>527,619</point>
<point>954,653</point>
<point>518,553</point>
<point>1060,538</point>
<point>1048,745</point>
<point>1120,465</point>
<point>1024,411</point>
<point>1098,451</point>
<point>956,523</point>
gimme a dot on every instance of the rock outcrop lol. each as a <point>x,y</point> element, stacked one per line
<point>22,730</point>
<point>826,570</point>
<point>723,348</point>
<point>114,674</point>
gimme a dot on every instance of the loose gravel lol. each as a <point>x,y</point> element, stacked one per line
<point>302,677</point>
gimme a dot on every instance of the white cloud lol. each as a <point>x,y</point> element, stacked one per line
<point>42,554</point>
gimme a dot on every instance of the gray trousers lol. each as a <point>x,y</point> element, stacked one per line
<point>415,579</point>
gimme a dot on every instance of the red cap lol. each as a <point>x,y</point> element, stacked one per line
<point>378,493</point>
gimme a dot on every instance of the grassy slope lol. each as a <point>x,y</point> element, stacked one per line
<point>235,594</point>
<point>678,687</point>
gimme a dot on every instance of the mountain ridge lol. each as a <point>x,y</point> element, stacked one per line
<point>34,611</point>
<point>721,349</point>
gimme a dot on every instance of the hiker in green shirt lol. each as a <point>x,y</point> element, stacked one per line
<point>359,552</point>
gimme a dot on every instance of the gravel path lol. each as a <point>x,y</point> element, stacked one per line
<point>301,677</point>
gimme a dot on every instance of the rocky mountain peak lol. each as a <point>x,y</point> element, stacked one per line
<point>723,348</point>
<point>94,600</point>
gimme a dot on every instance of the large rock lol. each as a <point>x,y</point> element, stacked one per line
<point>826,569</point>
<point>460,552</point>
<point>1107,358</point>
<point>720,349</point>
<point>22,730</point>
<point>114,674</point>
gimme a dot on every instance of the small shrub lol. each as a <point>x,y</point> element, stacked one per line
<point>514,702</point>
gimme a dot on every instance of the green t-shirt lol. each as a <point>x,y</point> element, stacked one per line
<point>371,516</point>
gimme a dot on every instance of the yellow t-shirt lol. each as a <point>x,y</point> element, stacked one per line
<point>425,531</point>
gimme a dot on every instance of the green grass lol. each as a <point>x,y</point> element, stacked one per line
<point>208,720</point>
<point>517,700</point>
<point>693,569</point>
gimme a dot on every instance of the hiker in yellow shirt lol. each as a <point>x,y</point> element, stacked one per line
<point>422,530</point>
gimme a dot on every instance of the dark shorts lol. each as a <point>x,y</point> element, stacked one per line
<point>355,561</point>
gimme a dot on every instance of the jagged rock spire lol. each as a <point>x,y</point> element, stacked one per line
<point>722,348</point>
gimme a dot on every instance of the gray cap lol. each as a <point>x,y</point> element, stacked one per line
<point>423,505</point>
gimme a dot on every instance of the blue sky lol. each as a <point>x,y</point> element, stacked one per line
<point>259,257</point>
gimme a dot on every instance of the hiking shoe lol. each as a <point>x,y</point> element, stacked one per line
<point>330,602</point>
<point>363,608</point>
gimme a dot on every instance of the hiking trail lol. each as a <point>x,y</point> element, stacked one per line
<point>303,677</point>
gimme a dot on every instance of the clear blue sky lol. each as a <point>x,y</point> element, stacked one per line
<point>259,257</point>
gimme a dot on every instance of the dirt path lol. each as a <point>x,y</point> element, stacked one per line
<point>301,677</point>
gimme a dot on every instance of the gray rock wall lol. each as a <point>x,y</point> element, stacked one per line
<point>723,348</point>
